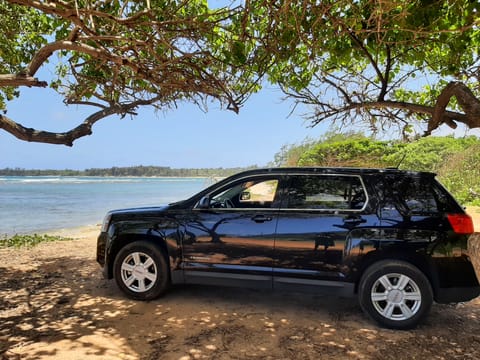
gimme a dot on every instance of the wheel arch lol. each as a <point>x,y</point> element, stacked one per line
<point>125,239</point>
<point>420,261</point>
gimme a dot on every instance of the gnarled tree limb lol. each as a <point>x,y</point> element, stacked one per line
<point>29,134</point>
<point>67,138</point>
<point>467,101</point>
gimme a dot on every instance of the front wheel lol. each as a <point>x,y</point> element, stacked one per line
<point>141,271</point>
<point>395,293</point>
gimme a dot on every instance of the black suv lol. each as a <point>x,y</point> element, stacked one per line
<point>396,239</point>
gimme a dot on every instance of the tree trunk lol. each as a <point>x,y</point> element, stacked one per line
<point>474,251</point>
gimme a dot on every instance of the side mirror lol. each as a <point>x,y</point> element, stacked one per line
<point>245,196</point>
<point>204,203</point>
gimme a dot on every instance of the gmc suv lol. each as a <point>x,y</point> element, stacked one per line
<point>396,239</point>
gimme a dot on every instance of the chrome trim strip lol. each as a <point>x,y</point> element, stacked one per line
<point>222,275</point>
<point>306,272</point>
<point>299,281</point>
<point>335,211</point>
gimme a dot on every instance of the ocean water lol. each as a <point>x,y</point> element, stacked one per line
<point>42,203</point>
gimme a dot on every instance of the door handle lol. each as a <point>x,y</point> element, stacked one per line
<point>261,218</point>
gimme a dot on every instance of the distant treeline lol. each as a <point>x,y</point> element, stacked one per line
<point>146,171</point>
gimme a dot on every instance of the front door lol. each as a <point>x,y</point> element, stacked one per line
<point>231,242</point>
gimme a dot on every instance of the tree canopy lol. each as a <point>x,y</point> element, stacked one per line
<point>115,56</point>
<point>412,64</point>
<point>415,64</point>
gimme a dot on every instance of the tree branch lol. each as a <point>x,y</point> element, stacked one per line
<point>414,108</point>
<point>467,101</point>
<point>367,54</point>
<point>31,135</point>
<point>67,138</point>
<point>386,79</point>
<point>45,52</point>
<point>20,80</point>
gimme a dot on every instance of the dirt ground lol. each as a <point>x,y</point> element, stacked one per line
<point>54,304</point>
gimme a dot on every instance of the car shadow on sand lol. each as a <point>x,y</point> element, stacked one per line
<point>63,308</point>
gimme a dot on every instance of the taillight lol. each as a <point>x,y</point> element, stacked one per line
<point>461,223</point>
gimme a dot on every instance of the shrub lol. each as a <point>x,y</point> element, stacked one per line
<point>28,240</point>
<point>363,152</point>
<point>460,173</point>
<point>429,153</point>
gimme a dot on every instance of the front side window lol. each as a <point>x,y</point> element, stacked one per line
<point>252,193</point>
<point>326,193</point>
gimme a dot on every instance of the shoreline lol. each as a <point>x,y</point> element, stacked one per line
<point>77,232</point>
<point>74,232</point>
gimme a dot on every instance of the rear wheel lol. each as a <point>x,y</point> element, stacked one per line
<point>141,271</point>
<point>395,293</point>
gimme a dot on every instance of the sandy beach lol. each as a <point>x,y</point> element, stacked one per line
<point>474,212</point>
<point>54,304</point>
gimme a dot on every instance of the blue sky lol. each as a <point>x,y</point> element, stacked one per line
<point>183,137</point>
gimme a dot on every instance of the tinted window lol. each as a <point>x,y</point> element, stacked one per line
<point>252,193</point>
<point>412,195</point>
<point>325,192</point>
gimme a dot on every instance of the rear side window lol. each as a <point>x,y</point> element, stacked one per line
<point>417,195</point>
<point>325,192</point>
<point>411,195</point>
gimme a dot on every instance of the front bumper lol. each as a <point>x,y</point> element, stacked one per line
<point>101,248</point>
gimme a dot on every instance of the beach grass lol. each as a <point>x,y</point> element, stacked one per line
<point>17,241</point>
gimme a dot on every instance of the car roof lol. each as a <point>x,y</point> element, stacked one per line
<point>330,170</point>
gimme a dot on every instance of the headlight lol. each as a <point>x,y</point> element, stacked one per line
<point>106,222</point>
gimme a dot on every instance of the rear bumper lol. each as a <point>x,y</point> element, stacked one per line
<point>455,280</point>
<point>456,294</point>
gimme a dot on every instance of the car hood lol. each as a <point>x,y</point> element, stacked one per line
<point>140,210</point>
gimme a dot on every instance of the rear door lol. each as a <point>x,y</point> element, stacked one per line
<point>318,213</point>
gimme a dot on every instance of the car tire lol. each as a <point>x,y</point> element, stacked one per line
<point>395,293</point>
<point>141,271</point>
